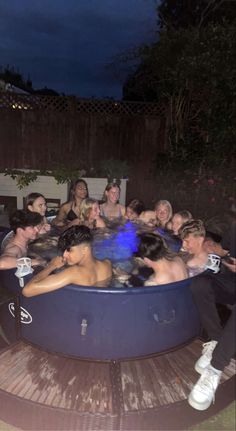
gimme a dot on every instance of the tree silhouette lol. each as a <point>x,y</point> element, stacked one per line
<point>175,14</point>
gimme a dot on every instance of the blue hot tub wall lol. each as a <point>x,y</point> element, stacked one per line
<point>110,323</point>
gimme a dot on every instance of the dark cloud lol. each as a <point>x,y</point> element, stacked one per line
<point>66,45</point>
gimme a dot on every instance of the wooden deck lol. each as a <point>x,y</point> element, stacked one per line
<point>40,390</point>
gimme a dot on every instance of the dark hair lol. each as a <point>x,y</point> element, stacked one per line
<point>153,247</point>
<point>29,200</point>
<point>23,219</point>
<point>136,205</point>
<point>75,235</point>
<point>73,187</point>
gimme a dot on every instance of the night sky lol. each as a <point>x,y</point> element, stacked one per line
<point>66,44</point>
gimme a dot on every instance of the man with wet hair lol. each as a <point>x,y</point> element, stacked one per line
<point>193,234</point>
<point>25,226</point>
<point>73,237</point>
<point>81,267</point>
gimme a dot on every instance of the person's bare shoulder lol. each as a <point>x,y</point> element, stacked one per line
<point>66,206</point>
<point>61,216</point>
<point>108,263</point>
<point>100,222</point>
<point>122,209</point>
<point>105,268</point>
<point>76,275</point>
<point>12,250</point>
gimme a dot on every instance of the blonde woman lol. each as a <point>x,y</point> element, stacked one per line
<point>90,214</point>
<point>163,212</point>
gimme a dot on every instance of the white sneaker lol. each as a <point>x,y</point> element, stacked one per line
<point>206,357</point>
<point>203,393</point>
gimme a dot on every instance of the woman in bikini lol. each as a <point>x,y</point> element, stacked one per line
<point>69,212</point>
<point>112,209</point>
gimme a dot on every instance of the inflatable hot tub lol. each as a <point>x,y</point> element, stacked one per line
<point>102,324</point>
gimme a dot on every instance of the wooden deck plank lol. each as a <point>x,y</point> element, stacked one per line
<point>15,375</point>
<point>10,362</point>
<point>171,379</point>
<point>65,401</point>
<point>171,382</point>
<point>85,387</point>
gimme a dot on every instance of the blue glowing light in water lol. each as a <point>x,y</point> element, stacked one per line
<point>119,246</point>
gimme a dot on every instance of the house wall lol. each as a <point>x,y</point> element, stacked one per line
<point>51,190</point>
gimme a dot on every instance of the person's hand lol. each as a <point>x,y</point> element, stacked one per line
<point>47,227</point>
<point>44,228</point>
<point>38,261</point>
<point>230,266</point>
<point>57,262</point>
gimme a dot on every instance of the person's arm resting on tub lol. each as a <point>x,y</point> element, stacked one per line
<point>45,282</point>
<point>8,260</point>
<point>84,268</point>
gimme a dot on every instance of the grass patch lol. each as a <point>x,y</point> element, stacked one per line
<point>225,420</point>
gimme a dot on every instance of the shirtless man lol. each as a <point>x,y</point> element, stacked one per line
<point>83,268</point>
<point>193,234</point>
<point>25,226</point>
<point>167,267</point>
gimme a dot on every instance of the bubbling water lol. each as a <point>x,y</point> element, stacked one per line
<point>118,243</point>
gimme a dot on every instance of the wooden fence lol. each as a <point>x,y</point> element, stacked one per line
<point>41,132</point>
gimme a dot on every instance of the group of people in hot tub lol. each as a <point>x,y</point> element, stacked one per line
<point>174,247</point>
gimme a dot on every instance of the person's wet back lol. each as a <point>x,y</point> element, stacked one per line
<point>166,265</point>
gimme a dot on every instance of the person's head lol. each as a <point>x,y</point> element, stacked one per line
<point>75,243</point>
<point>148,217</point>
<point>79,190</point>
<point>192,234</point>
<point>89,209</point>
<point>152,248</point>
<point>26,223</point>
<point>134,208</point>
<point>112,193</point>
<point>163,211</point>
<point>179,219</point>
<point>35,202</point>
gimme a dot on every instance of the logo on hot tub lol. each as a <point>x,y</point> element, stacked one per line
<point>25,316</point>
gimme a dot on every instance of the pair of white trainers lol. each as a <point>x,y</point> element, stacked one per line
<point>203,392</point>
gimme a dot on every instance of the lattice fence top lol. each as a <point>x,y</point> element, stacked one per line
<point>27,102</point>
